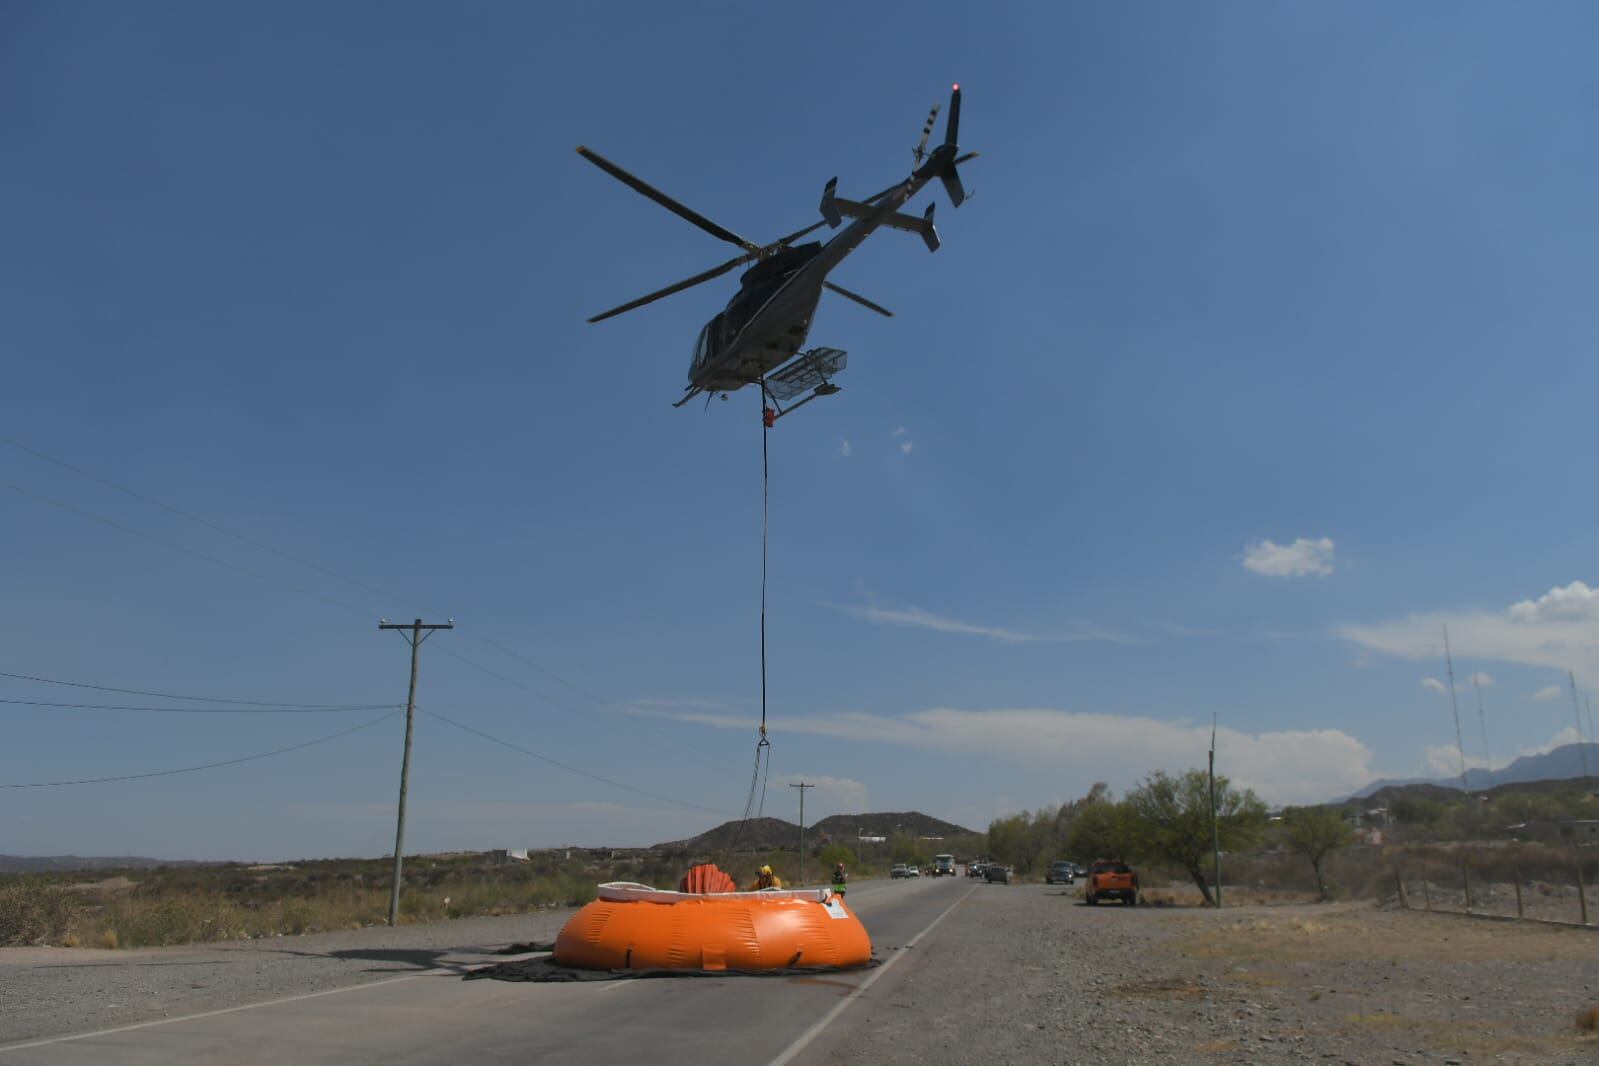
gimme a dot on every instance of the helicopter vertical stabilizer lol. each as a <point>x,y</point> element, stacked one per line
<point>946,153</point>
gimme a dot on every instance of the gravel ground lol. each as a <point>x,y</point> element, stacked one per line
<point>45,991</point>
<point>1027,974</point>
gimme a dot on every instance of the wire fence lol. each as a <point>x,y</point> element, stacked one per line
<point>1493,879</point>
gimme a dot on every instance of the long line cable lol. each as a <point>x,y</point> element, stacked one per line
<point>195,699</point>
<point>209,765</point>
<point>568,767</point>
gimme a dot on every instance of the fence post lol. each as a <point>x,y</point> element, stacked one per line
<point>1426,892</point>
<point>1465,883</point>
<point>1399,883</point>
<point>1582,892</point>
<point>1515,872</point>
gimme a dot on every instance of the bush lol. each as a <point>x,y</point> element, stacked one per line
<point>36,912</point>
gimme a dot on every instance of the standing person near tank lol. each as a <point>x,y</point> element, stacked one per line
<point>840,880</point>
<point>766,879</point>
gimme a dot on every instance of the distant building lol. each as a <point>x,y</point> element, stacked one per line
<point>1559,831</point>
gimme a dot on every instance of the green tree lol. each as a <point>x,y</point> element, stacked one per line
<point>1170,820</point>
<point>1315,831</point>
<point>1101,831</point>
<point>834,854</point>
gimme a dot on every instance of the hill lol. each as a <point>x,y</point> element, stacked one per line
<point>845,827</point>
<point>42,864</point>
<point>1563,763</point>
<point>774,834</point>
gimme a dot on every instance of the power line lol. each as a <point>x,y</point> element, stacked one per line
<point>568,767</point>
<point>196,699</point>
<point>209,765</point>
<point>280,553</point>
<point>598,703</point>
<point>204,710</point>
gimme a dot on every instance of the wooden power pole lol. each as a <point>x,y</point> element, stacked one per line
<point>414,633</point>
<point>802,786</point>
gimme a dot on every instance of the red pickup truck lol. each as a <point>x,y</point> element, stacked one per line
<point>1111,880</point>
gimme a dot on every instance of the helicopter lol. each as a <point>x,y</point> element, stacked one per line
<point>757,338</point>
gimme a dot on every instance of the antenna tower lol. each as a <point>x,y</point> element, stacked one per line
<point>1460,745</point>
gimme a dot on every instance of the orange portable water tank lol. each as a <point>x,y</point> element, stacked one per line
<point>635,927</point>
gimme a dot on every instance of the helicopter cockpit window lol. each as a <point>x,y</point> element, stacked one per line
<point>709,343</point>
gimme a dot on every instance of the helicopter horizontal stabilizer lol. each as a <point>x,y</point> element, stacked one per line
<point>835,208</point>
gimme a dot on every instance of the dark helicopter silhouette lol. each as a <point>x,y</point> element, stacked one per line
<point>758,337</point>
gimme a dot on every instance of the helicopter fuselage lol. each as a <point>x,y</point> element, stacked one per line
<point>766,323</point>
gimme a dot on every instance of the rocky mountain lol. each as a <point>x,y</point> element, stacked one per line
<point>1563,763</point>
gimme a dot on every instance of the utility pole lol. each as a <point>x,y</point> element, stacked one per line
<point>1215,832</point>
<point>1460,744</point>
<point>802,786</point>
<point>414,635</point>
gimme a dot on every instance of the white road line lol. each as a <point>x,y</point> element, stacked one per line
<point>827,1019</point>
<point>214,1013</point>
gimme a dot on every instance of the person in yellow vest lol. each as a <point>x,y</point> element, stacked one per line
<point>840,880</point>
<point>766,879</point>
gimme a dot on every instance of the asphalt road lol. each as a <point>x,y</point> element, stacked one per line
<point>432,1015</point>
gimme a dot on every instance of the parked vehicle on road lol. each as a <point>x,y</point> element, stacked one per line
<point>976,869</point>
<point>943,866</point>
<point>899,870</point>
<point>997,872</point>
<point>1111,880</point>
<point>915,871</point>
<point>1060,872</point>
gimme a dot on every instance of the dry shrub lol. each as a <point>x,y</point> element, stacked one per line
<point>1588,1020</point>
<point>36,912</point>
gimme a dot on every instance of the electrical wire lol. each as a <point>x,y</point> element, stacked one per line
<point>209,765</point>
<point>569,768</point>
<point>205,710</point>
<point>469,631</point>
<point>196,699</point>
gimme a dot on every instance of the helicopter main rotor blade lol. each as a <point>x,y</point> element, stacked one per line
<point>689,283</point>
<point>683,212</point>
<point>858,298</point>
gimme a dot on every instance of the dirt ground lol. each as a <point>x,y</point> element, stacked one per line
<point>1030,975</point>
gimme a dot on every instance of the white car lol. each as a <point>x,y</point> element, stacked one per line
<point>913,871</point>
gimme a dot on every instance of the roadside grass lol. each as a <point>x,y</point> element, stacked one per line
<point>239,901</point>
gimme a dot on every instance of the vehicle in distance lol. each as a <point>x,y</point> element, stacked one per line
<point>1111,880</point>
<point>943,866</point>
<point>899,870</point>
<point>915,871</point>
<point>976,869</point>
<point>1060,872</point>
<point>997,872</point>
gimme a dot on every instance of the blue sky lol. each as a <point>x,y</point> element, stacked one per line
<point>1261,353</point>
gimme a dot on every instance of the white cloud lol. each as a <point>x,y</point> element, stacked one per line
<point>1479,678</point>
<point>1549,692</point>
<point>1443,760</point>
<point>1559,630</point>
<point>832,795</point>
<point>1289,766</point>
<point>1568,735</point>
<point>844,448</point>
<point>1575,601</point>
<point>1432,684</point>
<point>906,446</point>
<point>1302,558</point>
<point>920,619</point>
<point>899,431</point>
